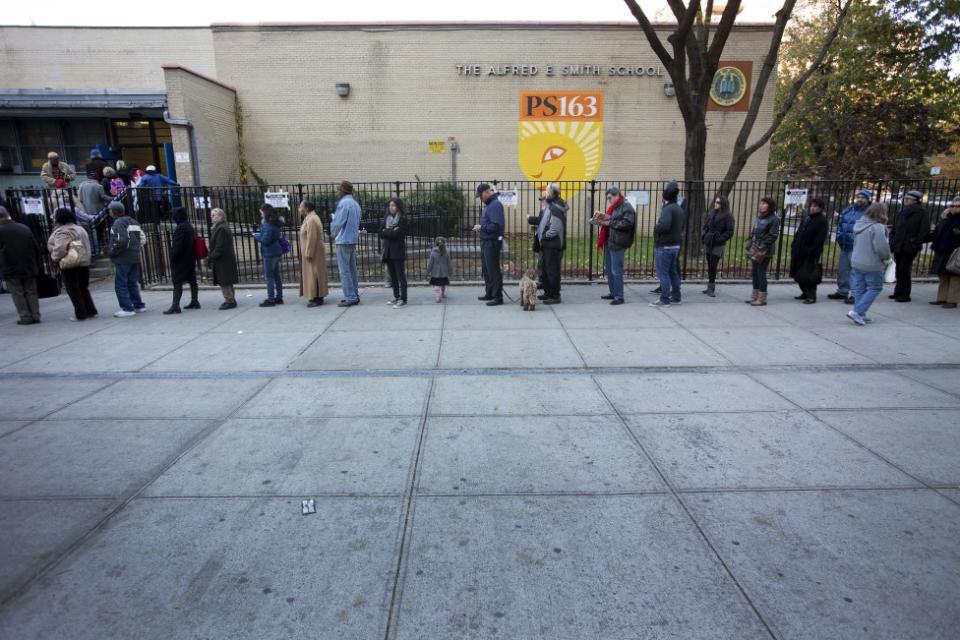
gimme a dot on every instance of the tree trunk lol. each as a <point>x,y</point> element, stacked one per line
<point>693,175</point>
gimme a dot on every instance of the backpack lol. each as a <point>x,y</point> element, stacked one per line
<point>116,186</point>
<point>285,244</point>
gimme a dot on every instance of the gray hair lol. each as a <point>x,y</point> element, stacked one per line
<point>3,212</point>
<point>553,189</point>
<point>116,207</point>
<point>218,211</point>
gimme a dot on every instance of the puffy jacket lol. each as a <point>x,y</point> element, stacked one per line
<point>911,228</point>
<point>156,182</point>
<point>551,228</point>
<point>269,239</point>
<point>60,239</point>
<point>126,238</point>
<point>848,219</point>
<point>623,223</point>
<point>870,246</point>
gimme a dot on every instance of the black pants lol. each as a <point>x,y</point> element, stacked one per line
<point>759,274</point>
<point>178,289</point>
<point>492,275</point>
<point>77,283</point>
<point>398,278</point>
<point>712,263</point>
<point>808,290</point>
<point>551,272</point>
<point>904,262</point>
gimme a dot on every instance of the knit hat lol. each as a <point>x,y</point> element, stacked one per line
<point>613,191</point>
<point>94,153</point>
<point>483,186</point>
<point>866,193</point>
<point>671,191</point>
<point>916,195</point>
<point>52,155</point>
<point>346,187</point>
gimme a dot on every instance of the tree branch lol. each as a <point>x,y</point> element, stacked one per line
<point>650,32</point>
<point>685,18</point>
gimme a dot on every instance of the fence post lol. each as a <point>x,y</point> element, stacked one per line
<point>593,205</point>
<point>396,188</point>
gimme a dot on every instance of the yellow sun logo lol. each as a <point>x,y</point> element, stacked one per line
<point>560,137</point>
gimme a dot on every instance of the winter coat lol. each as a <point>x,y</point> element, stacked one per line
<point>623,223</point>
<point>848,219</point>
<point>60,239</point>
<point>92,197</point>
<point>19,253</point>
<point>765,231</point>
<point>807,244</point>
<point>313,258</point>
<point>393,238</point>
<point>871,249</point>
<point>269,239</point>
<point>439,266</point>
<point>222,258</point>
<point>126,238</point>
<point>183,253</point>
<point>551,225</point>
<point>717,230</point>
<point>946,239</point>
<point>96,167</point>
<point>668,232</point>
<point>911,228</point>
<point>492,221</point>
<point>155,182</point>
<point>49,174</point>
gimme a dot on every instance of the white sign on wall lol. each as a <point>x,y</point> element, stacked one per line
<point>638,198</point>
<point>201,202</point>
<point>794,196</point>
<point>277,199</point>
<point>508,198</point>
<point>32,206</point>
<point>181,156</point>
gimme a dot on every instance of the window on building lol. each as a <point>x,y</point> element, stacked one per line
<point>79,136</point>
<point>37,139</point>
<point>9,161</point>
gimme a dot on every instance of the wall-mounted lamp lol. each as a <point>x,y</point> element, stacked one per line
<point>343,89</point>
<point>668,89</point>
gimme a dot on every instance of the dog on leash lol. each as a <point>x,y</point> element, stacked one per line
<point>528,290</point>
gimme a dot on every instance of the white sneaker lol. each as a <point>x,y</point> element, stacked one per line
<point>856,317</point>
<point>400,304</point>
<point>140,310</point>
<point>124,314</point>
<point>390,303</point>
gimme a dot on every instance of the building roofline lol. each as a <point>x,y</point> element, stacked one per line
<point>172,66</point>
<point>87,26</point>
<point>447,25</point>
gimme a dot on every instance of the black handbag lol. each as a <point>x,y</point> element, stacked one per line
<point>47,286</point>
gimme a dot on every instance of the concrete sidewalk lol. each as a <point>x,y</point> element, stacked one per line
<point>585,471</point>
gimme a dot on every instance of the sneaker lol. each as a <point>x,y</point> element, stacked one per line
<point>400,304</point>
<point>495,302</point>
<point>676,302</point>
<point>140,310</point>
<point>659,303</point>
<point>606,297</point>
<point>268,303</point>
<point>551,301</point>
<point>657,290</point>
<point>616,301</point>
<point>390,303</point>
<point>278,300</point>
<point>867,320</point>
<point>856,317</point>
<point>124,314</point>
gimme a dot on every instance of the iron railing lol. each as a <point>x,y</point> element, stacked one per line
<point>451,210</point>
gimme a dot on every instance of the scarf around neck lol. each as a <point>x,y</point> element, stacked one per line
<point>604,230</point>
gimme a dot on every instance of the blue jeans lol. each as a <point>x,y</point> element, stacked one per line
<point>347,263</point>
<point>126,282</point>
<point>614,261</point>
<point>271,273</point>
<point>666,260</point>
<point>843,273</point>
<point>867,285</point>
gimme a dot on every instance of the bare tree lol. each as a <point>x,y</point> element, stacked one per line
<point>695,48</point>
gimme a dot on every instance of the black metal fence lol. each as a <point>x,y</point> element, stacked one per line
<point>451,209</point>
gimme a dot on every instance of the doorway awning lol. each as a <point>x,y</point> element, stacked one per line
<point>80,99</point>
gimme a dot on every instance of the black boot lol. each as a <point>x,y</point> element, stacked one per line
<point>174,309</point>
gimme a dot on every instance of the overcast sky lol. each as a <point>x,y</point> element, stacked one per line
<point>204,12</point>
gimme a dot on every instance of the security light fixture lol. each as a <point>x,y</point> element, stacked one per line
<point>343,89</point>
<point>668,89</point>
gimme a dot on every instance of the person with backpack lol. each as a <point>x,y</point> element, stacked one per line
<point>439,268</point>
<point>617,226</point>
<point>183,261</point>
<point>126,240</point>
<point>272,252</point>
<point>69,247</point>
<point>393,235</point>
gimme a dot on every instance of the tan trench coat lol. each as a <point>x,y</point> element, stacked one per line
<point>313,258</point>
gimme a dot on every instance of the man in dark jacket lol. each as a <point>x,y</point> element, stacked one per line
<point>20,266</point>
<point>911,228</point>
<point>667,238</point>
<point>848,219</point>
<point>154,200</point>
<point>551,240</point>
<point>96,165</point>
<point>805,252</point>
<point>490,230</point>
<point>620,222</point>
<point>126,238</point>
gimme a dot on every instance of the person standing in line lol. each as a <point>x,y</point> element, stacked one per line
<point>69,247</point>
<point>667,239</point>
<point>910,229</point>
<point>154,187</point>
<point>345,229</point>
<point>223,258</point>
<point>805,252</point>
<point>718,228</point>
<point>313,256</point>
<point>618,224</point>
<point>53,169</point>
<point>183,261</point>
<point>844,236</point>
<point>20,266</point>
<point>272,252</point>
<point>112,183</point>
<point>92,196</point>
<point>126,240</point>
<point>551,237</point>
<point>490,231</point>
<point>760,248</point>
<point>392,234</point>
<point>871,252</point>
<point>97,164</point>
<point>439,268</point>
<point>946,239</point>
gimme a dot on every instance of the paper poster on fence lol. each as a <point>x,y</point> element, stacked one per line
<point>795,197</point>
<point>508,198</point>
<point>33,206</point>
<point>201,202</point>
<point>638,198</point>
<point>277,199</point>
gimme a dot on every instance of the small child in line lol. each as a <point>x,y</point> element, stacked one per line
<point>439,268</point>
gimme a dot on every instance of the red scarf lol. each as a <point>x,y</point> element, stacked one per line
<point>604,230</point>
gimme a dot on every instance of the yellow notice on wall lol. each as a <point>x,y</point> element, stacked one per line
<point>436,146</point>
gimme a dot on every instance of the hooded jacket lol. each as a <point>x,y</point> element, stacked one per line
<point>848,219</point>
<point>551,228</point>
<point>911,228</point>
<point>870,246</point>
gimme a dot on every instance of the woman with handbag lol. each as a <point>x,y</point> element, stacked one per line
<point>183,261</point>
<point>69,247</point>
<point>946,256</point>
<point>805,267</point>
<point>717,230</point>
<point>222,258</point>
<point>760,248</point>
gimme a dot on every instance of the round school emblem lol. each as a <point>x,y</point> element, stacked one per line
<point>729,86</point>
